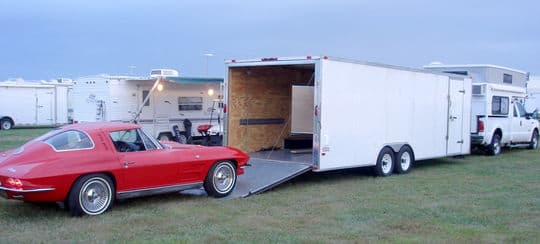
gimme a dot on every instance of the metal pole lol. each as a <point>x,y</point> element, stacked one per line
<point>156,83</point>
<point>208,55</point>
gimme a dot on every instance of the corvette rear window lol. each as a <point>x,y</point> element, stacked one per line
<point>70,140</point>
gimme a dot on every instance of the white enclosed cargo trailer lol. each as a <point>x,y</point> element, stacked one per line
<point>318,113</point>
<point>33,103</point>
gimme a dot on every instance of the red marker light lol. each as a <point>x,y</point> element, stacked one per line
<point>224,108</point>
<point>308,57</point>
<point>325,57</point>
<point>234,60</point>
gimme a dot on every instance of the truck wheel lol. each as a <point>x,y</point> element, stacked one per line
<point>405,160</point>
<point>494,148</point>
<point>5,124</point>
<point>534,140</point>
<point>221,179</point>
<point>385,162</point>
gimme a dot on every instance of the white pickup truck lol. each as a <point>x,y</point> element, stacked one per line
<point>499,118</point>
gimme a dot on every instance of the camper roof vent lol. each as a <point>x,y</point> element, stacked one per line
<point>164,72</point>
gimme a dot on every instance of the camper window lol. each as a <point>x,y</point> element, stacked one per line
<point>499,105</point>
<point>144,95</point>
<point>190,103</point>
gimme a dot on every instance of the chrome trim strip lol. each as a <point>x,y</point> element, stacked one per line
<point>157,190</point>
<point>26,191</point>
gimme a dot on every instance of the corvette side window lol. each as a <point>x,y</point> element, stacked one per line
<point>70,140</point>
<point>127,141</point>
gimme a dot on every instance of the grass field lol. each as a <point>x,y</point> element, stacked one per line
<point>471,199</point>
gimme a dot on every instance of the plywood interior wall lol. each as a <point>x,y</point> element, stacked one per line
<point>261,93</point>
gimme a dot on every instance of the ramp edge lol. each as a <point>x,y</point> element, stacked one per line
<point>278,182</point>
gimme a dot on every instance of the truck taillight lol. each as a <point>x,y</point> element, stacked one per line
<point>480,125</point>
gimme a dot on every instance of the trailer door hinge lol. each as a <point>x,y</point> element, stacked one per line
<point>462,91</point>
<point>460,142</point>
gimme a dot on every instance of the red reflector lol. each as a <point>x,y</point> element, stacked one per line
<point>224,108</point>
<point>308,57</point>
<point>325,57</point>
<point>480,125</point>
<point>234,60</point>
<point>316,110</point>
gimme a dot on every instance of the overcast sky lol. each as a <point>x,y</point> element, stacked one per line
<point>49,39</point>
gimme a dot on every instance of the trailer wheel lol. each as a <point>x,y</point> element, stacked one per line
<point>494,148</point>
<point>385,162</point>
<point>404,160</point>
<point>534,140</point>
<point>6,124</point>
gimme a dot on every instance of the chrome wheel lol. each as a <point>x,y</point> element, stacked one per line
<point>386,163</point>
<point>6,124</point>
<point>496,148</point>
<point>224,177</point>
<point>405,161</point>
<point>95,196</point>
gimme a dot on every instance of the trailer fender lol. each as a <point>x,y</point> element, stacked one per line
<point>396,146</point>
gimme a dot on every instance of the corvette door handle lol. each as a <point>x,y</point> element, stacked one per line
<point>127,164</point>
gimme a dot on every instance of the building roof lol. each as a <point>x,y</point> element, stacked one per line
<point>437,65</point>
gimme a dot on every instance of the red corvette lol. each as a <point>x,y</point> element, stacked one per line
<point>87,166</point>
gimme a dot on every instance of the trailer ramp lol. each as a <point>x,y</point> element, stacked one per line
<point>264,175</point>
<point>268,169</point>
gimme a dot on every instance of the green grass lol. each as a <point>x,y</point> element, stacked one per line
<point>475,199</point>
<point>16,137</point>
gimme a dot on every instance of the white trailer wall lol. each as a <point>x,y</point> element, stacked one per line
<point>365,107</point>
<point>34,104</point>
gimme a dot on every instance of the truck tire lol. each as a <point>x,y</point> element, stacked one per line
<point>534,140</point>
<point>385,162</point>
<point>6,124</point>
<point>404,160</point>
<point>494,148</point>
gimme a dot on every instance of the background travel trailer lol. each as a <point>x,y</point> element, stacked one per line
<point>42,103</point>
<point>119,98</point>
<point>348,114</point>
<point>484,73</point>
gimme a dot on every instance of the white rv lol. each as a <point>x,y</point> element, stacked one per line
<point>499,118</point>
<point>120,98</point>
<point>40,103</point>
<point>352,114</point>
